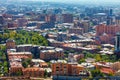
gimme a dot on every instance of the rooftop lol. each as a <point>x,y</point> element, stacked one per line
<point>20,53</point>
<point>33,69</point>
<point>106,70</point>
<point>37,60</point>
<point>52,50</point>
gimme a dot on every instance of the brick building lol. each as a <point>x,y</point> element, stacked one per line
<point>33,72</point>
<point>67,18</point>
<point>22,22</point>
<point>106,33</point>
<point>12,25</point>
<point>84,24</point>
<point>1,21</point>
<point>50,18</point>
<point>20,54</point>
<point>66,69</point>
<point>53,54</point>
<point>105,67</point>
<point>15,66</point>
<point>76,30</point>
<point>10,44</point>
<point>117,20</point>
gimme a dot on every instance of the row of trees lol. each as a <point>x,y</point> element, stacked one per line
<point>3,61</point>
<point>99,57</point>
<point>23,37</point>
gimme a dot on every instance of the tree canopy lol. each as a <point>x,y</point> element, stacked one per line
<point>24,37</point>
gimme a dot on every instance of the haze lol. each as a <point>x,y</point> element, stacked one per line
<point>70,1</point>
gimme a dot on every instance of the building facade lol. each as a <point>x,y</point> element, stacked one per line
<point>10,44</point>
<point>33,72</point>
<point>47,55</point>
<point>66,69</point>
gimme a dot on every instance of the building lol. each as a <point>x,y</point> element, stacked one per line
<point>106,33</point>
<point>33,72</point>
<point>46,25</point>
<point>111,12</point>
<point>50,18</point>
<point>66,69</point>
<point>59,18</point>
<point>19,55</point>
<point>117,45</point>
<point>60,69</point>
<point>39,63</point>
<point>62,36</point>
<point>78,56</point>
<point>25,47</point>
<point>111,29</point>
<point>41,17</point>
<point>105,67</point>
<point>53,54</point>
<point>107,71</point>
<point>67,18</point>
<point>109,20</point>
<point>117,20</point>
<point>1,21</point>
<point>84,24</point>
<point>12,25</point>
<point>10,44</point>
<point>78,31</point>
<point>116,66</point>
<point>15,66</point>
<point>21,22</point>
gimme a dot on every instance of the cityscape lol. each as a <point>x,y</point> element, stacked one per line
<point>59,40</point>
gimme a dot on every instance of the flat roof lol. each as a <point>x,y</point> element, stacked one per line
<point>20,53</point>
<point>37,60</point>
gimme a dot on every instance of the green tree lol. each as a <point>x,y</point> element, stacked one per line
<point>89,55</point>
<point>24,37</point>
<point>5,69</point>
<point>81,60</point>
<point>5,63</point>
<point>97,57</point>
<point>26,62</point>
<point>19,73</point>
<point>96,73</point>
<point>45,74</point>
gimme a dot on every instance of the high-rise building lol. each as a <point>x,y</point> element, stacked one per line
<point>108,29</point>
<point>117,45</point>
<point>1,21</point>
<point>41,17</point>
<point>110,12</point>
<point>59,18</point>
<point>67,18</point>
<point>117,20</point>
<point>84,24</point>
<point>109,20</point>
<point>50,18</point>
<point>106,33</point>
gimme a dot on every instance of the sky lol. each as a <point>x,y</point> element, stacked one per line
<point>79,0</point>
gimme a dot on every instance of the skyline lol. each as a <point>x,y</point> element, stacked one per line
<point>77,2</point>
